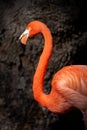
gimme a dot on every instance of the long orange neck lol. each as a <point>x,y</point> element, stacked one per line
<point>38,81</point>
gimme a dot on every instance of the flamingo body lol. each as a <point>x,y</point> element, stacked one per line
<point>69,85</point>
<point>74,77</point>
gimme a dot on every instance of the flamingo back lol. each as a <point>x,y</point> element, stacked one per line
<point>71,82</point>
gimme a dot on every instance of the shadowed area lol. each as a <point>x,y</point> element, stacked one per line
<point>67,22</point>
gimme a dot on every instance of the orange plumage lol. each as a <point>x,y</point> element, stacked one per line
<point>69,85</point>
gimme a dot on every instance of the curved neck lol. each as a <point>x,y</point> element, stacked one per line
<point>38,81</point>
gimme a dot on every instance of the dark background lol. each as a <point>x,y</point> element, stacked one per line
<point>68,24</point>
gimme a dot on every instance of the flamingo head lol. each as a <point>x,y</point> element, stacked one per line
<point>32,29</point>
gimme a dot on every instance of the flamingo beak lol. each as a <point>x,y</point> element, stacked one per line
<point>24,36</point>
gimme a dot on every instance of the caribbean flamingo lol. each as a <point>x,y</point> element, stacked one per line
<point>69,85</point>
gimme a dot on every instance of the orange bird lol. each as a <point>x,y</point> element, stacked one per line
<point>69,85</point>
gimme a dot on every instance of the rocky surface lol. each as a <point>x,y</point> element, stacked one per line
<point>67,22</point>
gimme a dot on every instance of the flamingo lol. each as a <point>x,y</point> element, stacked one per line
<point>69,85</point>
